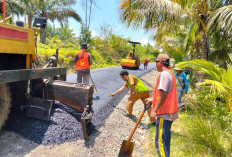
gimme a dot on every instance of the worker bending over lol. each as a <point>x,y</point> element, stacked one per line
<point>137,91</point>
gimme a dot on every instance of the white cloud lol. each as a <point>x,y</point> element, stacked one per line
<point>93,33</point>
<point>145,41</point>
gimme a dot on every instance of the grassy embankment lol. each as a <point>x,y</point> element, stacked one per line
<point>203,130</point>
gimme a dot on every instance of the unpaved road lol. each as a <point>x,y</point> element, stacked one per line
<point>112,126</point>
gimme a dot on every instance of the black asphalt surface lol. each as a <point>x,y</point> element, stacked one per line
<point>108,80</point>
<point>63,126</point>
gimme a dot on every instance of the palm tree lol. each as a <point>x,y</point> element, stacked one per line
<point>51,9</point>
<point>219,79</point>
<point>220,28</point>
<point>66,34</point>
<point>153,13</point>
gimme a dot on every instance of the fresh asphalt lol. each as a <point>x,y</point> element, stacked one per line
<point>63,127</point>
<point>108,80</point>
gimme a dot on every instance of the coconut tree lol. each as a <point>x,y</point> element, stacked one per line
<point>66,34</point>
<point>220,28</point>
<point>51,9</point>
<point>153,13</point>
<point>219,79</point>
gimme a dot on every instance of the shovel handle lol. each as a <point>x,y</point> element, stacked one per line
<point>138,121</point>
<point>146,107</point>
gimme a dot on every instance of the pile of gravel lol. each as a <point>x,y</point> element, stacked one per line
<point>62,126</point>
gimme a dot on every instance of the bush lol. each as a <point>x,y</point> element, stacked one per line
<point>209,124</point>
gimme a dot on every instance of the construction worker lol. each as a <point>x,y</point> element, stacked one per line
<point>83,60</point>
<point>137,91</point>
<point>165,106</point>
<point>182,84</point>
<point>146,63</point>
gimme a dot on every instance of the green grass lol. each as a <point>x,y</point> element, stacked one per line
<point>193,136</point>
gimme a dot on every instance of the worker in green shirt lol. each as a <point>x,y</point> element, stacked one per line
<point>137,91</point>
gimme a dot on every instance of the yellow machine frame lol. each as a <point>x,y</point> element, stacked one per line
<point>16,45</point>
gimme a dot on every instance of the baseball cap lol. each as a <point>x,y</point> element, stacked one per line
<point>162,57</point>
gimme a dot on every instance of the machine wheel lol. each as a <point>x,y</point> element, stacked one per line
<point>5,103</point>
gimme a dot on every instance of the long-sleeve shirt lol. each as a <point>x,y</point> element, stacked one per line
<point>179,79</point>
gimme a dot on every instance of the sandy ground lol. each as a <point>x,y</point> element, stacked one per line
<point>105,142</point>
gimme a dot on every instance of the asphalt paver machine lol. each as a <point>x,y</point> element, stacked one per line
<point>32,90</point>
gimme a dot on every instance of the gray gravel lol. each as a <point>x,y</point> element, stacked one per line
<point>63,126</point>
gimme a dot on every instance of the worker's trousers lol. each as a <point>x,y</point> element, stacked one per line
<point>163,137</point>
<point>179,97</point>
<point>82,77</point>
<point>134,98</point>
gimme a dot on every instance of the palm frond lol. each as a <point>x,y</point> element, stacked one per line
<point>59,15</point>
<point>227,77</point>
<point>147,13</point>
<point>205,67</point>
<point>190,36</point>
<point>221,19</point>
<point>216,87</point>
<point>221,56</point>
<point>178,57</point>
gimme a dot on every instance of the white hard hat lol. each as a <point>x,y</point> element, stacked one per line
<point>178,69</point>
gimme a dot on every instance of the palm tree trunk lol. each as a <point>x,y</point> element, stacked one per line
<point>43,36</point>
<point>43,31</point>
<point>205,46</point>
<point>205,52</point>
<point>90,10</point>
<point>29,21</point>
<point>197,56</point>
<point>197,47</point>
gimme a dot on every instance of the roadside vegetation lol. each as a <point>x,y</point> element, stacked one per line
<point>197,35</point>
<point>105,51</point>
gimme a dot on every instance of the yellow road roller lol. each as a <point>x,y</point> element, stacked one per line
<point>131,61</point>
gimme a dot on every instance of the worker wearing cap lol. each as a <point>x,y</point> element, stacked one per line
<point>137,91</point>
<point>165,106</point>
<point>83,60</point>
<point>182,83</point>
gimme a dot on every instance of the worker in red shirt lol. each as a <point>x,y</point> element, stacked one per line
<point>83,60</point>
<point>146,63</point>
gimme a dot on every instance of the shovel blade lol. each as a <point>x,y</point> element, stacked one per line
<point>126,149</point>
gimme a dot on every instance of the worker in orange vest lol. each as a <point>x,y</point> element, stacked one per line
<point>165,105</point>
<point>83,61</point>
<point>146,61</point>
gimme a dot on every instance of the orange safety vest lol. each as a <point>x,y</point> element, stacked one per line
<point>170,104</point>
<point>83,62</point>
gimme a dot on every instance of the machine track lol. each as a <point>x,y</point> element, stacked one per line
<point>5,103</point>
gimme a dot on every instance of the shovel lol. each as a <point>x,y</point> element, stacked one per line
<point>93,83</point>
<point>128,146</point>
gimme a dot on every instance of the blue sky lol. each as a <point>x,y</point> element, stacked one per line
<point>106,12</point>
